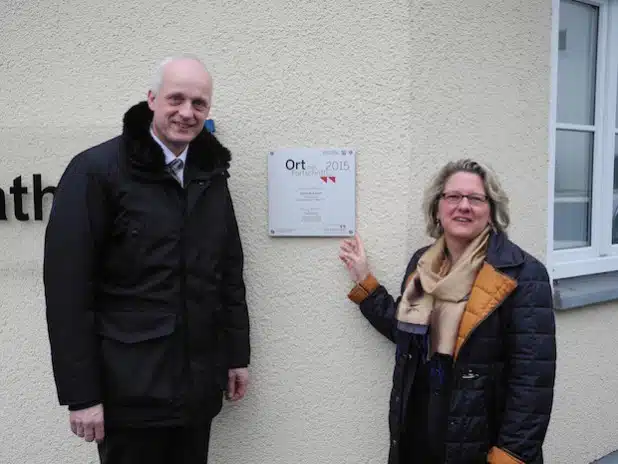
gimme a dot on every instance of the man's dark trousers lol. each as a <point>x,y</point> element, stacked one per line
<point>155,445</point>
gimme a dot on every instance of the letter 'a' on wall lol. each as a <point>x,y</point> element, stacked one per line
<point>312,192</point>
<point>17,192</point>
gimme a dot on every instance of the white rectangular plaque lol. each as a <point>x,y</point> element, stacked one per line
<point>312,192</point>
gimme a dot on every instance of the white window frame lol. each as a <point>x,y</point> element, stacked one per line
<point>600,256</point>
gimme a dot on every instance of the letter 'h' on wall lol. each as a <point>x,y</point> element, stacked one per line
<point>18,191</point>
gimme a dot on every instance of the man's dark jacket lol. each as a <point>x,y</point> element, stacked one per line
<point>505,361</point>
<point>144,281</point>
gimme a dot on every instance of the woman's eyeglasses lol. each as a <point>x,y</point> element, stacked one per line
<point>454,198</point>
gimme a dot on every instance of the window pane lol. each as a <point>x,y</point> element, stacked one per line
<point>615,202</point>
<point>573,191</point>
<point>577,61</point>
<point>571,227</point>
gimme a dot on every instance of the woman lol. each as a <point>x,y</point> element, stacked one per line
<point>474,329</point>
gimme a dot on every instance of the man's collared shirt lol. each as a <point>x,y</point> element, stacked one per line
<point>169,156</point>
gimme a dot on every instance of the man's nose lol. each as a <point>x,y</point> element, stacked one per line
<point>185,110</point>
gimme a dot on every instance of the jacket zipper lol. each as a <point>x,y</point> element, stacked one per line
<point>183,282</point>
<point>183,297</point>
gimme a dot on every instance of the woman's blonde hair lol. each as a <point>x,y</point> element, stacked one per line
<point>497,198</point>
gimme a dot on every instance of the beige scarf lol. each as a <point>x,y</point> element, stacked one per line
<point>445,288</point>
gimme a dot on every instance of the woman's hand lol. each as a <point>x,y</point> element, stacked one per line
<point>352,253</point>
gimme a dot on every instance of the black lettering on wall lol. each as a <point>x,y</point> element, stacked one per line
<point>2,206</point>
<point>18,191</point>
<point>39,193</point>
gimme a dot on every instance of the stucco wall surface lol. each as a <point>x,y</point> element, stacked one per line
<point>409,84</point>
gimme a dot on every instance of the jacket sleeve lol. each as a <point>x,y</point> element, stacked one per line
<point>377,304</point>
<point>75,231</point>
<point>531,366</point>
<point>235,314</point>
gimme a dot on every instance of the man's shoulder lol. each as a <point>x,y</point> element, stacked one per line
<point>100,158</point>
<point>102,152</point>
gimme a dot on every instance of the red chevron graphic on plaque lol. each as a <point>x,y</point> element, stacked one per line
<point>324,179</point>
<point>333,178</point>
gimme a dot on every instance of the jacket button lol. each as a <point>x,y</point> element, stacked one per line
<point>397,399</point>
<point>134,232</point>
<point>394,442</point>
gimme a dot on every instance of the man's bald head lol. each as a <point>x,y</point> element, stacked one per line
<point>180,100</point>
<point>182,61</point>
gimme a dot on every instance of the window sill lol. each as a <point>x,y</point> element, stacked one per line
<point>575,292</point>
<point>611,458</point>
<point>576,266</point>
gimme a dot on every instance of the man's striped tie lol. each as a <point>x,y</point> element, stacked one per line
<point>175,169</point>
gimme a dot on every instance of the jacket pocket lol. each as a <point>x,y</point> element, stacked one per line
<point>139,356</point>
<point>473,385</point>
<point>125,250</point>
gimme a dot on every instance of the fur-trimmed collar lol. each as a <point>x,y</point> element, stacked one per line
<point>206,153</point>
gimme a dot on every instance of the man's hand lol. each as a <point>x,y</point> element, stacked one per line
<point>88,423</point>
<point>237,381</point>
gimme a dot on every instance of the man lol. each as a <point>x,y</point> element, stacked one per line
<point>143,268</point>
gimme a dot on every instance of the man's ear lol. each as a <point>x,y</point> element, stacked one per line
<point>151,99</point>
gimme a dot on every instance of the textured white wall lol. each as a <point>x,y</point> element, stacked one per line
<point>410,84</point>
